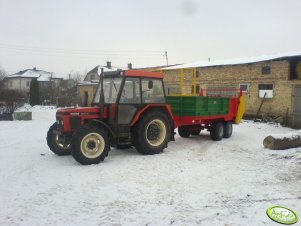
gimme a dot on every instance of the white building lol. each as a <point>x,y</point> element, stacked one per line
<point>21,80</point>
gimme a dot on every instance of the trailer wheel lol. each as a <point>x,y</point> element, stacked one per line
<point>228,128</point>
<point>58,144</point>
<point>195,132</point>
<point>183,131</point>
<point>152,133</point>
<point>90,145</point>
<point>217,131</point>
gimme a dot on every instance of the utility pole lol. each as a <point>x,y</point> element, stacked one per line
<point>166,57</point>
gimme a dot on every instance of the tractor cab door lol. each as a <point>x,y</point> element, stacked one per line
<point>129,102</point>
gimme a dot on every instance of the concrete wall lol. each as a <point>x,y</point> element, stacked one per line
<point>90,89</point>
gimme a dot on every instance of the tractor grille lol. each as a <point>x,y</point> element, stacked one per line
<point>75,123</point>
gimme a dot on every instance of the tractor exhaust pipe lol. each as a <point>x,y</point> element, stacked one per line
<point>101,98</point>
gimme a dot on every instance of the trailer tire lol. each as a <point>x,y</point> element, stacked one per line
<point>228,128</point>
<point>152,133</point>
<point>183,131</point>
<point>56,145</point>
<point>217,131</point>
<point>195,132</point>
<point>90,145</point>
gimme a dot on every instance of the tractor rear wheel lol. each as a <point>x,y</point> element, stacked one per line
<point>183,131</point>
<point>152,133</point>
<point>90,145</point>
<point>58,144</point>
<point>217,131</point>
<point>228,128</point>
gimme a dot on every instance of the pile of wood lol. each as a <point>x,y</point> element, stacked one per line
<point>292,140</point>
<point>272,118</point>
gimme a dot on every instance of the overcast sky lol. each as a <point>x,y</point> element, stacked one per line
<point>64,36</point>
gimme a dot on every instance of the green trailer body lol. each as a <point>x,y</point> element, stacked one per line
<point>198,105</point>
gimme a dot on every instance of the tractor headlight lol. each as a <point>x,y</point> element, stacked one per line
<point>59,122</point>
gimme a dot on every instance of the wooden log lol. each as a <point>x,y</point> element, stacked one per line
<point>277,142</point>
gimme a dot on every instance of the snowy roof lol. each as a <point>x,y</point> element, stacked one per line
<point>245,60</point>
<point>105,69</point>
<point>33,73</point>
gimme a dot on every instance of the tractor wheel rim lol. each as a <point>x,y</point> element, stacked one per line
<point>92,145</point>
<point>63,145</point>
<point>155,132</point>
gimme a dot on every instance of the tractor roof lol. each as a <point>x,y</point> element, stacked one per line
<point>140,73</point>
<point>134,73</point>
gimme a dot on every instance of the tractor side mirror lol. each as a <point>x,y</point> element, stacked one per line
<point>150,84</point>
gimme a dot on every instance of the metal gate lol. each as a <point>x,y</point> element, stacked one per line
<point>296,123</point>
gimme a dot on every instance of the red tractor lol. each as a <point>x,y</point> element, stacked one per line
<point>129,109</point>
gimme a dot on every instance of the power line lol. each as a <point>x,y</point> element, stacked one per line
<point>79,51</point>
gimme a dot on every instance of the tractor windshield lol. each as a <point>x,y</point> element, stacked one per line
<point>111,88</point>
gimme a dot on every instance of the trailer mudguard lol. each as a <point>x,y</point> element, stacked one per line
<point>240,110</point>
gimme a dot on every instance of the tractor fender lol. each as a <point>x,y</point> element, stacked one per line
<point>150,107</point>
<point>108,128</point>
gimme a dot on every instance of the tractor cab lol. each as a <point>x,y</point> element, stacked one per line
<point>122,94</point>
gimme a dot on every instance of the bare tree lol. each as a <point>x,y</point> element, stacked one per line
<point>2,76</point>
<point>77,76</point>
<point>10,100</point>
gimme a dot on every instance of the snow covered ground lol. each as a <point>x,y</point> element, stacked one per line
<point>194,182</point>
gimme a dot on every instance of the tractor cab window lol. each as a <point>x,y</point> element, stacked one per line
<point>152,91</point>
<point>111,88</point>
<point>131,91</point>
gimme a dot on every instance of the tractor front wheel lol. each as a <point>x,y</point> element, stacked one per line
<point>152,133</point>
<point>90,145</point>
<point>58,144</point>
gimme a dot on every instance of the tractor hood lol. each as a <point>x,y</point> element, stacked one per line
<point>82,110</point>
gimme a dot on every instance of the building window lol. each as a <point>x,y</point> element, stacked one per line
<point>266,70</point>
<point>265,86</point>
<point>92,77</point>
<point>244,87</point>
<point>27,84</point>
<point>265,90</point>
